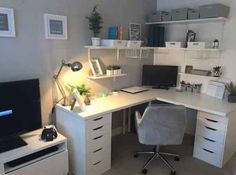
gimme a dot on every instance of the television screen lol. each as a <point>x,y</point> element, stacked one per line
<point>20,108</point>
<point>159,75</point>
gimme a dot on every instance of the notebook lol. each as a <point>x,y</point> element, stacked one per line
<point>135,89</point>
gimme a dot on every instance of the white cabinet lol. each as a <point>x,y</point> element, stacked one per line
<point>39,157</point>
<point>89,141</point>
<point>55,165</point>
<point>214,138</point>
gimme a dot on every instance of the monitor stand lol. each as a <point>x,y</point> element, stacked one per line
<point>11,142</point>
<point>161,87</point>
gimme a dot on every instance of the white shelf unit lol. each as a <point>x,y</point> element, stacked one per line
<point>199,76</point>
<point>118,49</point>
<point>37,165</point>
<point>206,20</point>
<point>106,76</point>
<point>207,53</point>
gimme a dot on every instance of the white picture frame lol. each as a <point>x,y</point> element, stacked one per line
<point>7,22</point>
<point>55,26</point>
<point>95,67</point>
<point>135,32</point>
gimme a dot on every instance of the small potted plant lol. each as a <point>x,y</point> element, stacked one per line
<point>109,70</point>
<point>217,71</point>
<point>95,25</point>
<point>117,70</point>
<point>231,88</point>
<point>83,90</point>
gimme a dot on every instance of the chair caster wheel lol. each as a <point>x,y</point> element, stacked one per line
<point>144,171</point>
<point>136,155</point>
<point>173,173</point>
<point>176,158</point>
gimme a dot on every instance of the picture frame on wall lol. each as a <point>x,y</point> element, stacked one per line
<point>135,32</point>
<point>7,22</point>
<point>95,67</point>
<point>55,26</point>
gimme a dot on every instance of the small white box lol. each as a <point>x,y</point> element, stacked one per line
<point>174,44</point>
<point>134,44</point>
<point>113,43</point>
<point>199,45</point>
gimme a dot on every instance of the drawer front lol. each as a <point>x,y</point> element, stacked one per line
<point>212,123</point>
<point>208,144</point>
<point>208,156</point>
<point>46,166</point>
<point>98,121</point>
<point>213,117</point>
<point>99,154</point>
<point>99,167</point>
<point>101,142</point>
<point>210,132</point>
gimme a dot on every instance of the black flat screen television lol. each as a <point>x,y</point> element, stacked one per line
<point>159,76</point>
<point>20,111</point>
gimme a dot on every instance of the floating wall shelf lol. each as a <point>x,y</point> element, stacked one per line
<point>105,76</point>
<point>206,20</point>
<point>199,76</point>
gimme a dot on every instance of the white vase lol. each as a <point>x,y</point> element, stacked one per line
<point>96,41</point>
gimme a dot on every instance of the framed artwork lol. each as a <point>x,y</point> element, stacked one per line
<point>135,32</point>
<point>55,26</point>
<point>95,67</point>
<point>7,22</point>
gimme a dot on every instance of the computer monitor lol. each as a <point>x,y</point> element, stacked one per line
<point>20,111</point>
<point>159,76</point>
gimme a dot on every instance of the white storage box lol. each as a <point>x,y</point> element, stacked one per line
<point>199,45</point>
<point>134,44</point>
<point>113,43</point>
<point>174,44</point>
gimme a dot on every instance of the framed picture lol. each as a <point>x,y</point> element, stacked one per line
<point>95,67</point>
<point>135,32</point>
<point>188,69</point>
<point>7,22</point>
<point>55,26</point>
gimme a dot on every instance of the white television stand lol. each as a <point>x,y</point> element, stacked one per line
<point>36,158</point>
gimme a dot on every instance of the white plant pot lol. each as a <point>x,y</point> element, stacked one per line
<point>119,71</point>
<point>109,72</point>
<point>96,41</point>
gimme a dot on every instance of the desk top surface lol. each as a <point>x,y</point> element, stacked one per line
<point>124,100</point>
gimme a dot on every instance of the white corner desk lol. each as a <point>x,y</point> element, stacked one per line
<point>89,132</point>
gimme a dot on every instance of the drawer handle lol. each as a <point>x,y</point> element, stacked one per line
<point>97,162</point>
<point>96,119</point>
<point>98,128</point>
<point>208,151</point>
<point>98,137</point>
<point>211,120</point>
<point>211,128</point>
<point>209,139</point>
<point>97,150</point>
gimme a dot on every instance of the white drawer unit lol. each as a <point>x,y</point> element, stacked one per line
<point>89,141</point>
<point>36,158</point>
<point>213,141</point>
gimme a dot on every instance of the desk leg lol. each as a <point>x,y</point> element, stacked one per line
<point>124,121</point>
<point>129,120</point>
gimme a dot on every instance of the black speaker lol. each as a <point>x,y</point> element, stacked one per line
<point>156,36</point>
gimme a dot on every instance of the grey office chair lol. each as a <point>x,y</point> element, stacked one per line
<point>161,125</point>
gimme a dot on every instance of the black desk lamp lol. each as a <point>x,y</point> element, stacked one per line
<point>75,66</point>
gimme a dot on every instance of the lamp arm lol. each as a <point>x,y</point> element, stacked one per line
<point>59,71</point>
<point>61,90</point>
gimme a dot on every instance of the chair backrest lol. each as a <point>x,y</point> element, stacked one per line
<point>161,125</point>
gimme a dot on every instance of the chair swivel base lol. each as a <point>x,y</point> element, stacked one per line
<point>156,154</point>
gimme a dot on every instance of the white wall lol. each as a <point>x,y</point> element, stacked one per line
<point>30,55</point>
<point>205,32</point>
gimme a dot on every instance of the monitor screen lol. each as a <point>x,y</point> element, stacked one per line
<point>159,75</point>
<point>20,108</point>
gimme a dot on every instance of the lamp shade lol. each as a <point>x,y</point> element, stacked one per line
<point>76,66</point>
